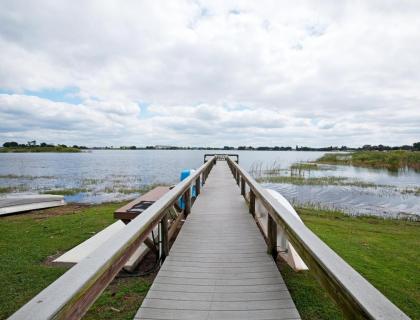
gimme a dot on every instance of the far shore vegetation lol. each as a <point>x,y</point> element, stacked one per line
<point>384,251</point>
<point>392,160</point>
<point>32,146</point>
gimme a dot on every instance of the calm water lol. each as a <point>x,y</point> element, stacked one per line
<point>101,176</point>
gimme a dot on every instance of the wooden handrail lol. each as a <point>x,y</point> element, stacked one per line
<point>354,294</point>
<point>221,156</point>
<point>70,296</point>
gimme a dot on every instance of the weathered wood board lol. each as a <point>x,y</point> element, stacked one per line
<point>218,267</point>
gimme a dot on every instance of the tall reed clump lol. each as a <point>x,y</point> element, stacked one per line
<point>393,160</point>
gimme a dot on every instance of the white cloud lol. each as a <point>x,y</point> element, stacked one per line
<point>234,72</point>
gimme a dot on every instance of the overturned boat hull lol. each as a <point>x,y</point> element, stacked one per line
<point>22,203</point>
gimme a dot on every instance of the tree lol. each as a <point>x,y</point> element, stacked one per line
<point>416,146</point>
<point>10,144</point>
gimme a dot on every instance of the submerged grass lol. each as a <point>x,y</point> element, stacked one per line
<point>383,251</point>
<point>414,191</point>
<point>128,190</point>
<point>305,166</point>
<point>319,181</point>
<point>392,160</point>
<point>65,192</point>
<point>12,189</point>
<point>15,176</point>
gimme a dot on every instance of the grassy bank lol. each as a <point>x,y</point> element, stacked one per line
<point>375,159</point>
<point>39,149</point>
<point>28,241</point>
<point>384,251</point>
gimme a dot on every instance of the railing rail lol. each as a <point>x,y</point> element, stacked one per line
<point>70,296</point>
<point>353,293</point>
<point>221,156</point>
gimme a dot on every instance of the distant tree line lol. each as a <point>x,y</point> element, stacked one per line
<point>414,147</point>
<point>32,144</point>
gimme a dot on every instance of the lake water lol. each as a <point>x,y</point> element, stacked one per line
<point>109,175</point>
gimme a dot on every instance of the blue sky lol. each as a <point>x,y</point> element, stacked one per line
<point>210,72</point>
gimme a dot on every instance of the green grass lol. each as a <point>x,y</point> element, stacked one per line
<point>392,160</point>
<point>39,149</point>
<point>121,300</point>
<point>383,251</point>
<point>26,242</point>
<point>319,181</point>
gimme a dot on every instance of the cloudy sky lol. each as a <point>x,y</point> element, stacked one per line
<point>210,72</point>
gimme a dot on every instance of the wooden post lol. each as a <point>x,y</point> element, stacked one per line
<point>243,186</point>
<point>164,238</point>
<point>272,236</point>
<point>237,177</point>
<point>252,203</point>
<point>197,186</point>
<point>187,200</point>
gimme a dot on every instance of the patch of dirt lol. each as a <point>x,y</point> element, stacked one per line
<point>49,261</point>
<point>56,211</point>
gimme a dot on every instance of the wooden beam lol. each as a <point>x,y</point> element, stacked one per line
<point>272,237</point>
<point>197,186</point>
<point>164,237</point>
<point>151,245</point>
<point>252,203</point>
<point>187,201</point>
<point>174,225</point>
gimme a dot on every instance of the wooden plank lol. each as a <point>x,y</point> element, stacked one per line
<point>152,195</point>
<point>218,267</point>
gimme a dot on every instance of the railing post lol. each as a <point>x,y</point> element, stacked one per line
<point>164,238</point>
<point>243,186</point>
<point>187,200</point>
<point>197,186</point>
<point>252,202</point>
<point>272,236</point>
<point>237,177</point>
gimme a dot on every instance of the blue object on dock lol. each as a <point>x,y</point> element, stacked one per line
<point>184,174</point>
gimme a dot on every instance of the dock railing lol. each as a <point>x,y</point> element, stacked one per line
<point>71,295</point>
<point>354,294</point>
<point>221,156</point>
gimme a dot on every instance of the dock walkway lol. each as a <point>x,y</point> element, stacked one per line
<point>218,267</point>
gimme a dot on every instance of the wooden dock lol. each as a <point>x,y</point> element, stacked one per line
<point>218,267</point>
